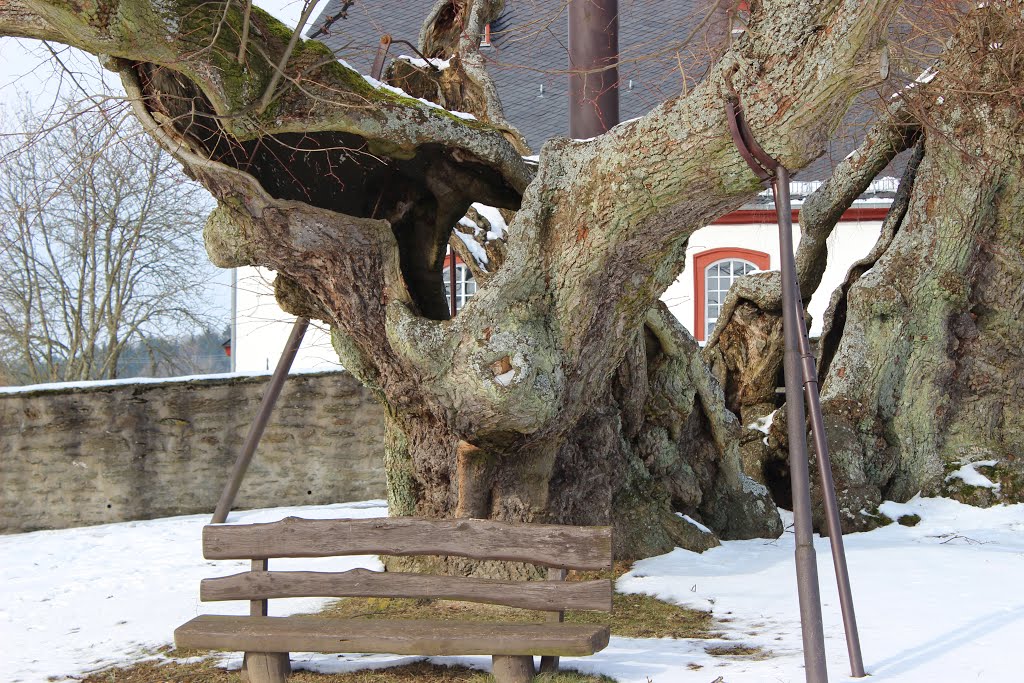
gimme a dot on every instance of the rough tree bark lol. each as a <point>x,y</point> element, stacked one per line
<point>923,369</point>
<point>563,391</point>
<point>920,371</point>
<point>745,351</point>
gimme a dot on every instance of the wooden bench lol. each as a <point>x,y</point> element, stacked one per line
<point>266,641</point>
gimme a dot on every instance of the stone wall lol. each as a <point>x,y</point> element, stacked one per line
<point>116,452</point>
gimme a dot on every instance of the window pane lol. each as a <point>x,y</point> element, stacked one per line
<point>718,278</point>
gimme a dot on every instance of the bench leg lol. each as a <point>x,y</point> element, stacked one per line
<point>265,667</point>
<point>512,668</point>
<point>548,664</point>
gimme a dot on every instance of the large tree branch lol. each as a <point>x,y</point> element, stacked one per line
<point>794,89</point>
<point>849,180</point>
<point>602,229</point>
<point>451,35</point>
<point>321,94</point>
<point>22,20</point>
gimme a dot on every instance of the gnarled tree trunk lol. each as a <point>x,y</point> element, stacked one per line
<point>923,367</point>
<point>562,391</point>
<point>920,367</point>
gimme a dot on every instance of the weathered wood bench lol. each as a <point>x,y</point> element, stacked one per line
<point>267,641</point>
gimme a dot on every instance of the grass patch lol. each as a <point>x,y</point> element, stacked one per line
<point>909,520</point>
<point>418,672</point>
<point>744,651</point>
<point>633,616</point>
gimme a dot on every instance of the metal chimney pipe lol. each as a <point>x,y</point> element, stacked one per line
<point>593,67</point>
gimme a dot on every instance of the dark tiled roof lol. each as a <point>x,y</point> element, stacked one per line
<point>529,54</point>
<point>659,42</point>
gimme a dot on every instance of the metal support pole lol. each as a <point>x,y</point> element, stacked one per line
<point>252,439</point>
<point>799,362</point>
<point>806,564</point>
<point>382,53</point>
<point>828,491</point>
<point>593,67</point>
<point>451,283</point>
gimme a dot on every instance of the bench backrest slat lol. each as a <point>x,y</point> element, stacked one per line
<point>537,595</point>
<point>569,547</point>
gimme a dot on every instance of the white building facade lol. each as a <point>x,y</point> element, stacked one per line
<point>741,242</point>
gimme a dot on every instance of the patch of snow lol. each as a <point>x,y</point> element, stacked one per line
<point>972,477</point>
<point>695,523</point>
<point>127,381</point>
<point>475,248</point>
<point>928,75</point>
<point>76,600</point>
<point>505,378</point>
<point>468,222</point>
<point>763,424</point>
<point>929,609</point>
<point>623,123</point>
<point>439,64</point>
<point>380,85</point>
<point>494,217</point>
<point>288,12</point>
<point>933,601</point>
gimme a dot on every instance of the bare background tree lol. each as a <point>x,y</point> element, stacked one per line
<point>101,260</point>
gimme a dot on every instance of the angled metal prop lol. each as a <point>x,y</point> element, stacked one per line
<point>800,374</point>
<point>252,439</point>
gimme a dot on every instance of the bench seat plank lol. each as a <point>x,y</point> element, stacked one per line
<point>549,545</point>
<point>403,637</point>
<point>539,595</point>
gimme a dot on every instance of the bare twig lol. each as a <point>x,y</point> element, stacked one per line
<point>245,32</point>
<point>268,94</point>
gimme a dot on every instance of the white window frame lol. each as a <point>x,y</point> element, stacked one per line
<point>465,285</point>
<point>709,321</point>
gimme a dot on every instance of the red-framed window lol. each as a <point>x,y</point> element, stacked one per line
<point>465,285</point>
<point>714,271</point>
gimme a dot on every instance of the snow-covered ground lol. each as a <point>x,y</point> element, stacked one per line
<point>939,602</point>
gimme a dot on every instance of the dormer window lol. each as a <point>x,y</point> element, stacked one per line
<point>738,18</point>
